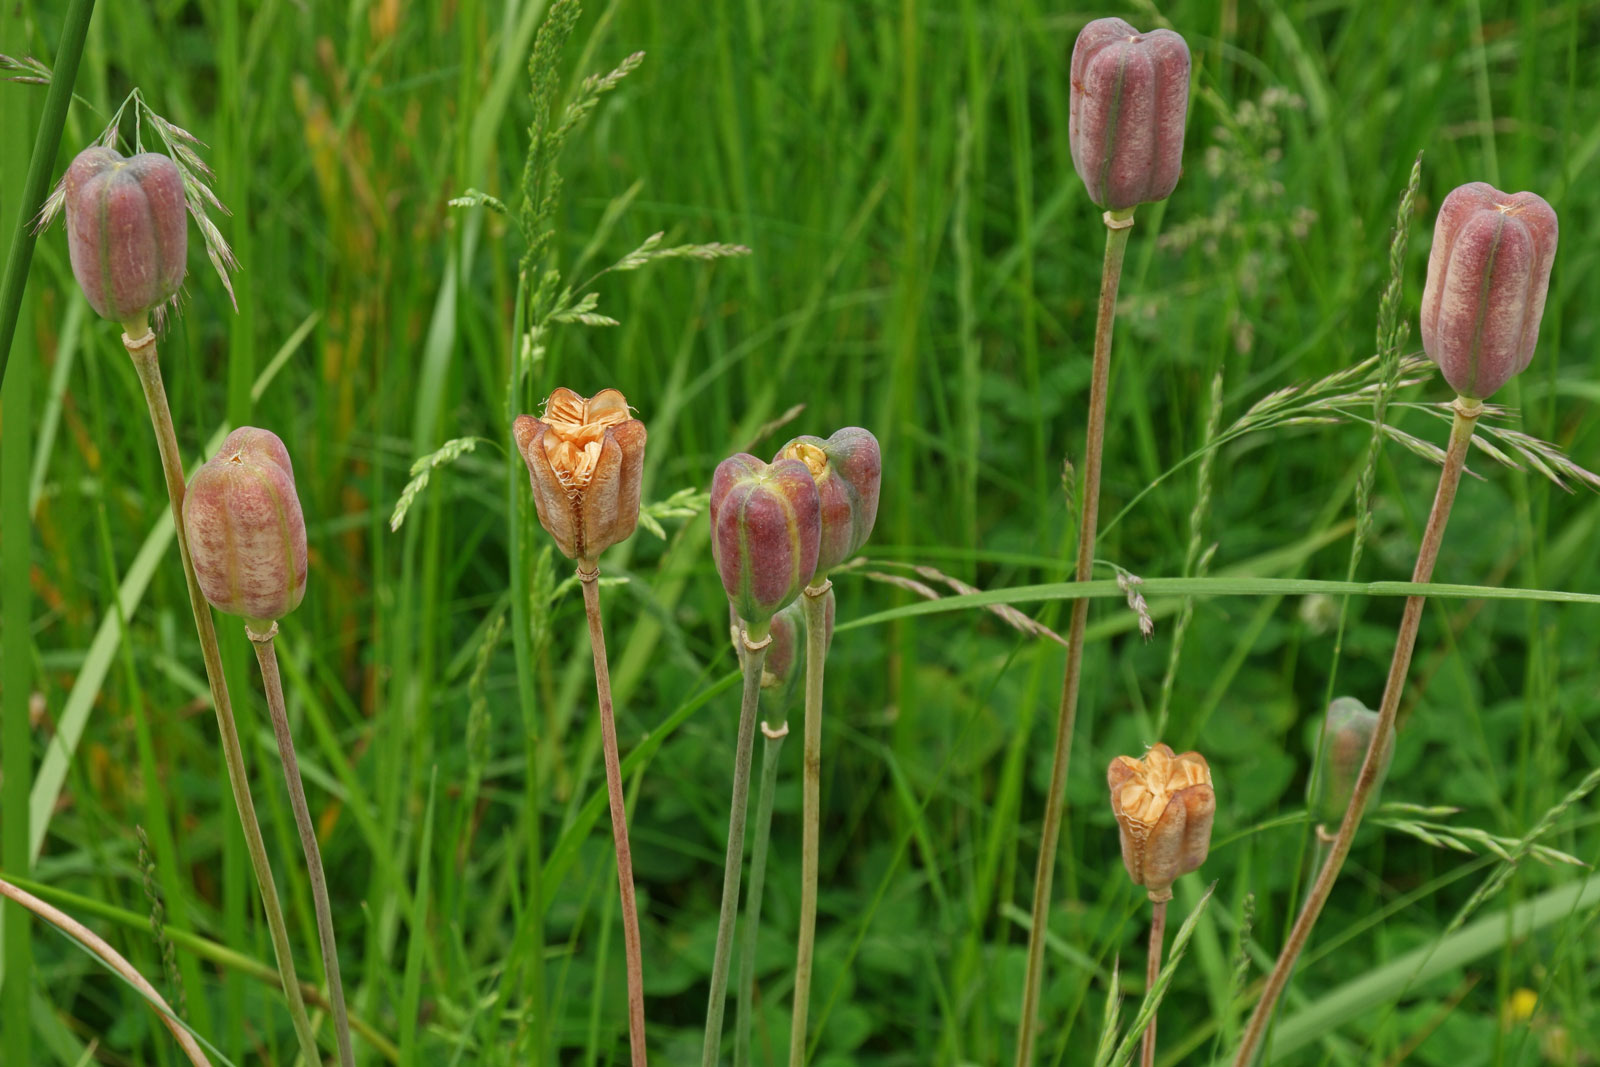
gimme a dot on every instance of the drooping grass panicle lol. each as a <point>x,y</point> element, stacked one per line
<point>541,183</point>
<point>1463,838</point>
<point>1012,617</point>
<point>422,472</point>
<point>686,503</point>
<point>29,71</point>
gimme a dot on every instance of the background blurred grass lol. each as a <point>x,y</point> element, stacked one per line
<point>925,265</point>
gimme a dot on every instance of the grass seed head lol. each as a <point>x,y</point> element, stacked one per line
<point>1488,274</point>
<point>1129,103</point>
<point>246,532</point>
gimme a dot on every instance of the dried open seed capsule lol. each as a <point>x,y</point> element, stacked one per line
<point>1129,102</point>
<point>246,533</point>
<point>585,460</point>
<point>1164,806</point>
<point>847,468</point>
<point>1349,728</point>
<point>1488,274</point>
<point>765,532</point>
<point>127,232</point>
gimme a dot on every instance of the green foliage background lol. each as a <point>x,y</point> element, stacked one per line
<point>925,264</point>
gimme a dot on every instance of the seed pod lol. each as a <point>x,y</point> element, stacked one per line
<point>765,532</point>
<point>848,469</point>
<point>127,234</point>
<point>1164,805</point>
<point>585,461</point>
<point>1129,102</point>
<point>784,671</point>
<point>1488,274</point>
<point>246,533</point>
<point>1348,730</point>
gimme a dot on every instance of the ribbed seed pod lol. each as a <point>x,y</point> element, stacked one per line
<point>848,470</point>
<point>127,231</point>
<point>765,532</point>
<point>783,674</point>
<point>246,533</point>
<point>585,459</point>
<point>1349,727</point>
<point>1164,805</point>
<point>1488,275</point>
<point>1129,103</point>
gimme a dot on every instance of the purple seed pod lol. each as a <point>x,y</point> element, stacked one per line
<point>585,461</point>
<point>765,531</point>
<point>783,674</point>
<point>246,533</point>
<point>1349,729</point>
<point>1130,98</point>
<point>1488,274</point>
<point>127,231</point>
<point>847,468</point>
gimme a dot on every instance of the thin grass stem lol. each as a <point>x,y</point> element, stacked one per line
<point>816,608</point>
<point>771,748</point>
<point>94,943</point>
<point>1152,971</point>
<point>1466,418</point>
<point>141,346</point>
<point>756,648</point>
<point>267,657</point>
<point>589,575</point>
<point>1117,226</point>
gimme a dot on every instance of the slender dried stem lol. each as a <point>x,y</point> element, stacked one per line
<point>1152,971</point>
<point>771,747</point>
<point>1117,226</point>
<point>589,573</point>
<point>142,349</point>
<point>816,609</point>
<point>267,657</point>
<point>94,943</point>
<point>1466,417</point>
<point>756,658</point>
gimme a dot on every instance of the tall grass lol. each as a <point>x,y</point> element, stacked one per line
<point>925,276</point>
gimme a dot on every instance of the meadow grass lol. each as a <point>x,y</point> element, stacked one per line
<point>924,264</point>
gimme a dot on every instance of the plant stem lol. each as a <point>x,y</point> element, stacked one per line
<point>1117,226</point>
<point>267,656</point>
<point>1152,970</point>
<point>142,349</point>
<point>771,746</point>
<point>94,943</point>
<point>589,575</point>
<point>1466,418</point>
<point>756,658</point>
<point>816,608</point>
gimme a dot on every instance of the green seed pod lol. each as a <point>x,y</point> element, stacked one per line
<point>246,533</point>
<point>783,674</point>
<point>127,231</point>
<point>765,531</point>
<point>1348,727</point>
<point>848,469</point>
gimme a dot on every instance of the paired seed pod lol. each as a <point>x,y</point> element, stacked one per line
<point>127,231</point>
<point>246,532</point>
<point>1348,731</point>
<point>585,460</point>
<point>1164,805</point>
<point>766,528</point>
<point>848,469</point>
<point>1488,274</point>
<point>1129,103</point>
